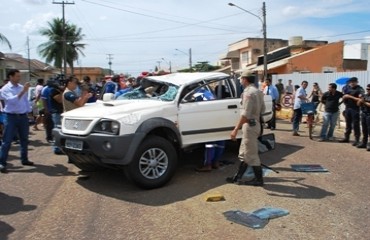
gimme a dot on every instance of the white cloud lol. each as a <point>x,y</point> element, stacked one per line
<point>36,2</point>
<point>103,18</point>
<point>33,25</point>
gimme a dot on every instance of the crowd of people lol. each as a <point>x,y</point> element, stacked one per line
<point>356,114</point>
<point>62,94</point>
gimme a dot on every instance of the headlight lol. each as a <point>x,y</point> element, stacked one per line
<point>106,126</point>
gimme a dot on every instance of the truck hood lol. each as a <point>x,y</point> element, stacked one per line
<point>114,109</point>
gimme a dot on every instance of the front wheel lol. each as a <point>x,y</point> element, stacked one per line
<point>154,163</point>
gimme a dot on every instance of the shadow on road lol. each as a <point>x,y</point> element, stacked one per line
<point>294,188</point>
<point>278,155</point>
<point>56,170</point>
<point>11,205</point>
<point>185,184</point>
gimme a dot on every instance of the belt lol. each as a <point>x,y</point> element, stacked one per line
<point>17,114</point>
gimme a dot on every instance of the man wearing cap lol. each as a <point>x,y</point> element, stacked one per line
<point>364,103</point>
<point>253,106</point>
<point>352,111</point>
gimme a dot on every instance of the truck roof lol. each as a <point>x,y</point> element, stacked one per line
<point>186,78</point>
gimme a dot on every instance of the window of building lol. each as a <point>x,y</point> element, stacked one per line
<point>245,57</point>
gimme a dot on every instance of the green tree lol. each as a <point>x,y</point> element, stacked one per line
<point>3,39</point>
<point>52,50</point>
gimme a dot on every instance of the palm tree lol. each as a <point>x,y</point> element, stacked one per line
<point>52,50</point>
<point>3,39</point>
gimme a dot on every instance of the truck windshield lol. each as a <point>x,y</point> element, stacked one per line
<point>156,92</point>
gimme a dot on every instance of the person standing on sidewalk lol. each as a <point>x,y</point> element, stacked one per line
<point>273,92</point>
<point>299,98</point>
<point>253,106</point>
<point>364,103</point>
<point>352,111</point>
<point>331,101</point>
<point>16,109</point>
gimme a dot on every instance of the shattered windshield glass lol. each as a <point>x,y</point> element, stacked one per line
<point>150,90</point>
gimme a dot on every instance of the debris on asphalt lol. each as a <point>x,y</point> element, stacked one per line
<point>214,197</point>
<point>250,174</point>
<point>256,219</point>
<point>308,168</point>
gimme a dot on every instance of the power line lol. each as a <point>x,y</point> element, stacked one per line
<point>158,18</point>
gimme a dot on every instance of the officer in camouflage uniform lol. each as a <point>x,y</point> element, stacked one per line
<point>253,106</point>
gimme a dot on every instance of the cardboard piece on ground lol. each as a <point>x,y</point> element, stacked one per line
<point>308,168</point>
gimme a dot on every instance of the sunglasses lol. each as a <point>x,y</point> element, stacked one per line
<point>368,89</point>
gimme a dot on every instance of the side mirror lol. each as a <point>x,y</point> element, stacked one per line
<point>108,97</point>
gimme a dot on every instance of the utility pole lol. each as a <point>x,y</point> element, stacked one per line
<point>263,21</point>
<point>110,58</point>
<point>64,35</point>
<point>265,50</point>
<point>159,65</point>
<point>190,61</point>
<point>29,59</point>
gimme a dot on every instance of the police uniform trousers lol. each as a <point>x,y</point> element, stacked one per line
<point>352,117</point>
<point>365,124</point>
<point>248,150</point>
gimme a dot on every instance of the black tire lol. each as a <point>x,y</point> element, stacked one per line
<point>154,163</point>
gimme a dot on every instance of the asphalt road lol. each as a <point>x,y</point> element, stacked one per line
<point>49,201</point>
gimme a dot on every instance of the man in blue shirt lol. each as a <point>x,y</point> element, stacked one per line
<point>16,109</point>
<point>274,93</point>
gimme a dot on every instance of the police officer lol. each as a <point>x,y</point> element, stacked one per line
<point>253,107</point>
<point>364,103</point>
<point>352,111</point>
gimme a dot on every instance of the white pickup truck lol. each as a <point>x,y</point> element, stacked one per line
<point>144,130</point>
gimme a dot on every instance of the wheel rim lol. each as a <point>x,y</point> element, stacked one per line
<point>153,163</point>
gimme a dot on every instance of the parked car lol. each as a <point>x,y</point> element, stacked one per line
<point>144,130</point>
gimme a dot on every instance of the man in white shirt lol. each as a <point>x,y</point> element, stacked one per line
<point>300,97</point>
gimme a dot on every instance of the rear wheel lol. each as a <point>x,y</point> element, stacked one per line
<point>154,163</point>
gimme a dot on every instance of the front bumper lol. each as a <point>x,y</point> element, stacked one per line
<point>95,151</point>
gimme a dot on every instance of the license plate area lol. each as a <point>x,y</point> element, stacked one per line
<point>74,144</point>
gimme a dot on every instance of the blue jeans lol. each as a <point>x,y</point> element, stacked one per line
<point>57,122</point>
<point>329,120</point>
<point>14,124</point>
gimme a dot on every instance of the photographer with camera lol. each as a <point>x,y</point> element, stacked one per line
<point>70,99</point>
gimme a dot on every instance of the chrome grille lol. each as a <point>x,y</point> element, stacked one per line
<point>76,124</point>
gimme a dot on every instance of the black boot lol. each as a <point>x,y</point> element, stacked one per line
<point>239,174</point>
<point>357,142</point>
<point>368,147</point>
<point>344,140</point>
<point>257,180</point>
<point>362,145</point>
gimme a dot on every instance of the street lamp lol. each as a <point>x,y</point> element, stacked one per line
<point>263,21</point>
<point>189,54</point>
<point>169,63</point>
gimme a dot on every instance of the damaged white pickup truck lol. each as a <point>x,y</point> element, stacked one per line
<point>144,130</point>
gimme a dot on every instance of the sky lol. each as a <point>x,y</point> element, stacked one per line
<point>142,34</point>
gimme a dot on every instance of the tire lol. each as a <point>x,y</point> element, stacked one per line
<point>154,163</point>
